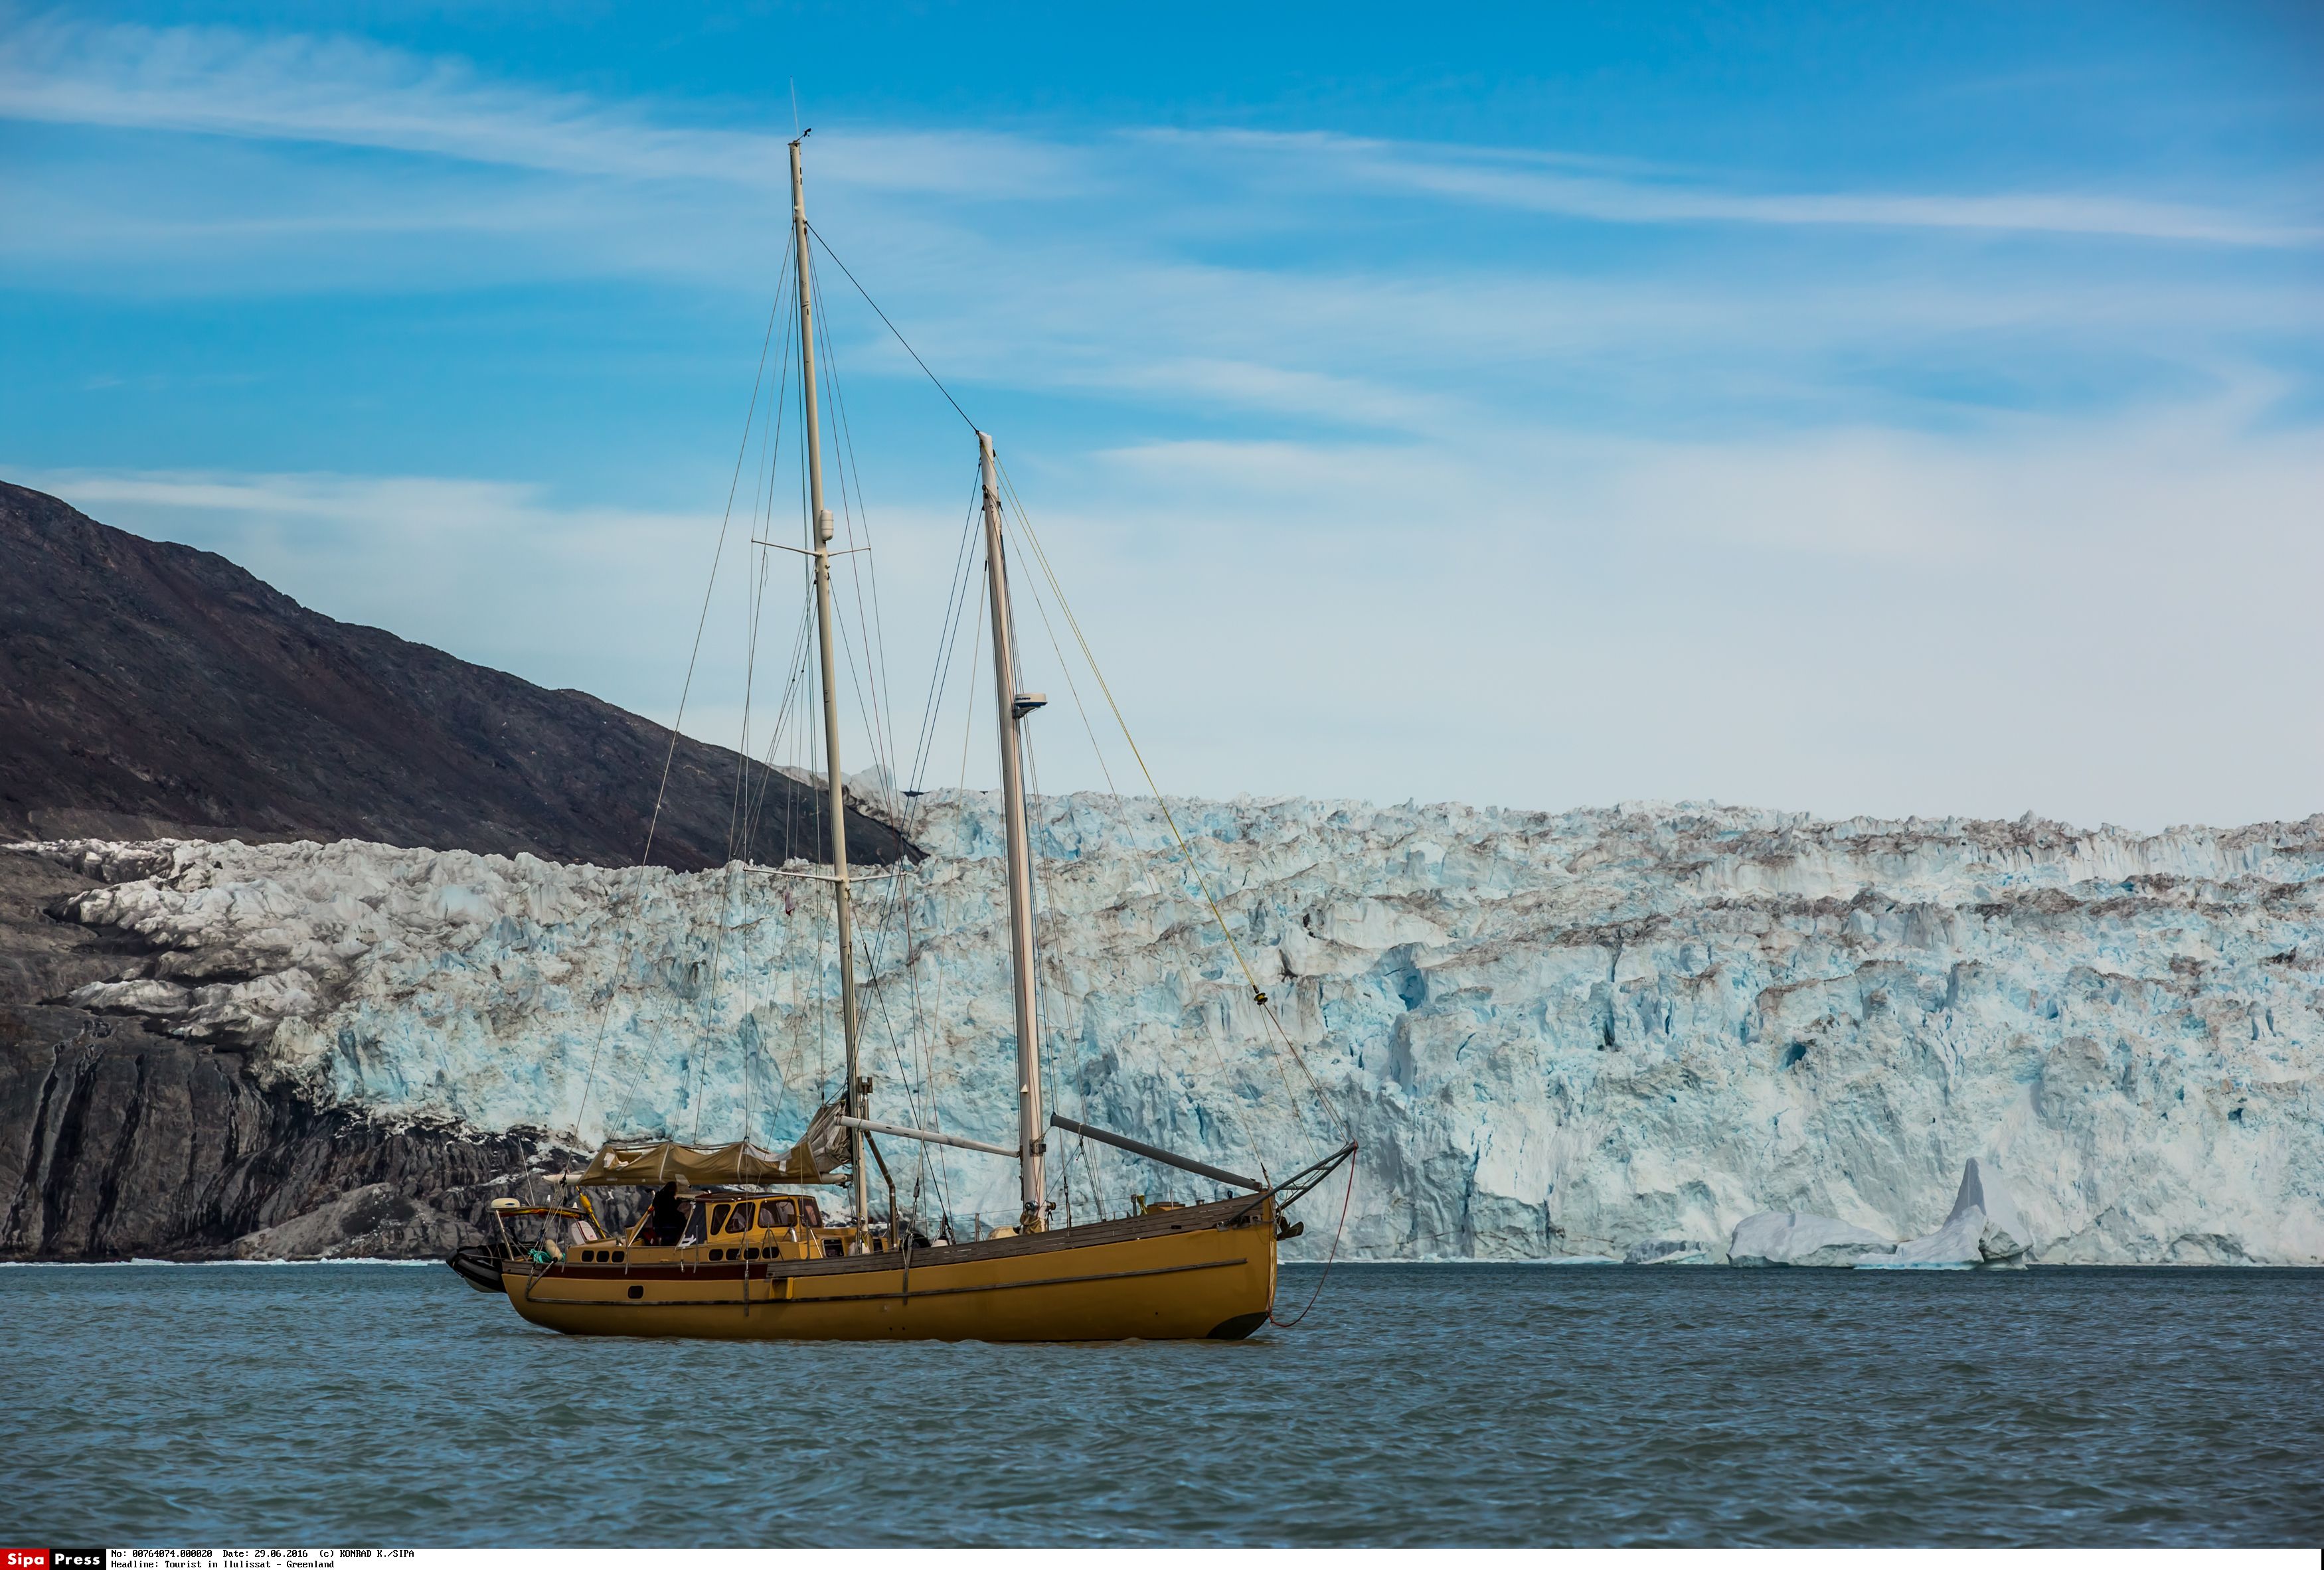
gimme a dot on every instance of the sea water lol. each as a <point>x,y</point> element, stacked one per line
<point>349,1404</point>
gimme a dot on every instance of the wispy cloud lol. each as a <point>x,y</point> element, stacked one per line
<point>1813,504</point>
<point>354,93</point>
<point>2077,615</point>
<point>515,182</point>
<point>1534,182</point>
<point>1844,618</point>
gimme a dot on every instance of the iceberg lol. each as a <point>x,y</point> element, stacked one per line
<point>1983,1227</point>
<point>1555,1032</point>
<point>1789,1237</point>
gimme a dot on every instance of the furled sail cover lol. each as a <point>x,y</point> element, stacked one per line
<point>821,1151</point>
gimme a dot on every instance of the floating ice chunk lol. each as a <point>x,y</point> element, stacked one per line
<point>1794,1237</point>
<point>1983,1228</point>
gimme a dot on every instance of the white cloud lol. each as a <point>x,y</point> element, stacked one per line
<point>1508,177</point>
<point>1484,529</point>
<point>352,92</point>
<point>2092,617</point>
<point>2104,619</point>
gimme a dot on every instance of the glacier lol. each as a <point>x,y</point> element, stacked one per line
<point>1556,1034</point>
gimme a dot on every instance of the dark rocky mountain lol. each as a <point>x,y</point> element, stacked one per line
<point>150,689</point>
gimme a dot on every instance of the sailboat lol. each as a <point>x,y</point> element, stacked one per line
<point>725,1250</point>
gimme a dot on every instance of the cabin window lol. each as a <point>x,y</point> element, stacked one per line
<point>717,1220</point>
<point>811,1211</point>
<point>781,1213</point>
<point>740,1220</point>
<point>692,1233</point>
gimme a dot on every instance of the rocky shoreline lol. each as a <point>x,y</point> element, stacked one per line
<point>119,1141</point>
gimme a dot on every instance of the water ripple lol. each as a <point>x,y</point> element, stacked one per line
<point>361,1403</point>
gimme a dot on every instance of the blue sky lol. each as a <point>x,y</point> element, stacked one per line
<point>1907,410</point>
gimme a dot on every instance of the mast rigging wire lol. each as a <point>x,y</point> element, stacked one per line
<point>892,326</point>
<point>645,858</point>
<point>1258,993</point>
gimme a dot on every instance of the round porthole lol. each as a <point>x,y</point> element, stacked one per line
<point>637,1292</point>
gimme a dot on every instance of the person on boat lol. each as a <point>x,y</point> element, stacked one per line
<point>665,1218</point>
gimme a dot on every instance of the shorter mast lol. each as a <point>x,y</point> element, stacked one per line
<point>1032,1147</point>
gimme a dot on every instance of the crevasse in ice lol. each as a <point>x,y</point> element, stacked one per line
<point>1554,1034</point>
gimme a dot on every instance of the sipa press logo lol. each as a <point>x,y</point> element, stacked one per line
<point>51,1559</point>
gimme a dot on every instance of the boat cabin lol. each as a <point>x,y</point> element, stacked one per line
<point>715,1224</point>
<point>722,1220</point>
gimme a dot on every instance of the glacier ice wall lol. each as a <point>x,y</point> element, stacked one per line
<point>1554,1034</point>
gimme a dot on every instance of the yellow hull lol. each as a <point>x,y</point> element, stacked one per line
<point>1205,1271</point>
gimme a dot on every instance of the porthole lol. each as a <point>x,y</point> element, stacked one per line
<point>620,1254</point>
<point>637,1292</point>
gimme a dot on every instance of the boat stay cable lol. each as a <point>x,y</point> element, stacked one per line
<point>865,656</point>
<point>662,793</point>
<point>892,326</point>
<point>1193,865</point>
<point>946,645</point>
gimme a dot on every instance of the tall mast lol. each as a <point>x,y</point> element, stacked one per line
<point>1031,1148</point>
<point>819,544</point>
